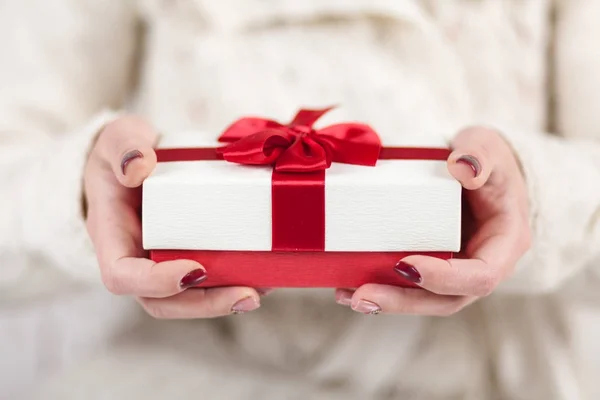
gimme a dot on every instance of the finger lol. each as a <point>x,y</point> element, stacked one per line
<point>477,276</point>
<point>375,299</point>
<point>146,278</point>
<point>265,291</point>
<point>128,146</point>
<point>344,296</point>
<point>116,234</point>
<point>473,157</point>
<point>203,303</point>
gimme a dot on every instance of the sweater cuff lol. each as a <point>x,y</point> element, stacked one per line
<point>56,227</point>
<point>540,269</point>
<point>523,145</point>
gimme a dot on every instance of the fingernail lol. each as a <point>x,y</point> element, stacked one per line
<point>245,305</point>
<point>471,162</point>
<point>367,307</point>
<point>343,298</point>
<point>193,278</point>
<point>264,291</point>
<point>408,272</point>
<point>127,158</point>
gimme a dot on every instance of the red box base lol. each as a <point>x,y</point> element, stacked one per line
<point>264,269</point>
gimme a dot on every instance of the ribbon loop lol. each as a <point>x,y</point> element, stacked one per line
<point>298,199</point>
<point>297,146</point>
<point>261,148</point>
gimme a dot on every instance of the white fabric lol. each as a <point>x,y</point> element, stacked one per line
<point>422,67</point>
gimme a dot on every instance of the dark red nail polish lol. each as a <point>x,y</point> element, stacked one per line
<point>193,278</point>
<point>408,272</point>
<point>471,162</point>
<point>127,158</point>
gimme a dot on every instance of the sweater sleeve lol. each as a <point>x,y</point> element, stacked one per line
<point>65,66</point>
<point>562,169</point>
<point>562,177</point>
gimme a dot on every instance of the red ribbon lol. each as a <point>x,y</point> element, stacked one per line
<point>297,146</point>
<point>300,154</point>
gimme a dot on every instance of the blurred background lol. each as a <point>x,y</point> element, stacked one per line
<point>423,68</point>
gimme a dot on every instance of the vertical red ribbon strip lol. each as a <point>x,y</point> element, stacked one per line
<point>300,155</point>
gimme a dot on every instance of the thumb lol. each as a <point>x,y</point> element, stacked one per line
<point>127,145</point>
<point>470,161</point>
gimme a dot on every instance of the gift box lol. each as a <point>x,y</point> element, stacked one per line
<point>290,205</point>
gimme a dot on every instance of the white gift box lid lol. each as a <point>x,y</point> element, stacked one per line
<point>398,205</point>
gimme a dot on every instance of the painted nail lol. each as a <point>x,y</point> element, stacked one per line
<point>408,272</point>
<point>193,278</point>
<point>343,298</point>
<point>245,305</point>
<point>264,291</point>
<point>471,162</point>
<point>127,158</point>
<point>367,307</point>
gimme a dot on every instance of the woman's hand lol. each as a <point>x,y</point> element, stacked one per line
<point>120,160</point>
<point>497,231</point>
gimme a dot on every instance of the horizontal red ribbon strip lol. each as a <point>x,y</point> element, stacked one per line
<point>386,153</point>
<point>299,154</point>
<point>297,146</point>
<point>298,199</point>
<point>266,269</point>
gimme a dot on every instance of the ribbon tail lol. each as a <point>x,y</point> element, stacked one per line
<point>307,117</point>
<point>246,127</point>
<point>261,148</point>
<point>304,155</point>
<point>351,143</point>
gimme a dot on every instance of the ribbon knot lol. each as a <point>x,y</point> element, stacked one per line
<point>302,130</point>
<point>297,146</point>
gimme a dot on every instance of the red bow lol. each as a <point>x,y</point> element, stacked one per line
<point>297,147</point>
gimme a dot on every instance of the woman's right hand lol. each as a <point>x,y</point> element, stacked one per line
<point>122,157</point>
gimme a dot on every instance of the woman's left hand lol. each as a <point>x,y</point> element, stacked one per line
<point>497,233</point>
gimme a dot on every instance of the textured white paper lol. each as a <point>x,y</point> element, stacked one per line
<point>399,205</point>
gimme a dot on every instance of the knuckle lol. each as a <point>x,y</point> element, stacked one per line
<point>480,133</point>
<point>526,239</point>
<point>487,150</point>
<point>403,308</point>
<point>153,309</point>
<point>450,308</point>
<point>111,282</point>
<point>126,122</point>
<point>444,312</point>
<point>213,309</point>
<point>471,130</point>
<point>109,133</point>
<point>487,284</point>
<point>123,127</point>
<point>90,225</point>
<point>493,136</point>
<point>123,132</point>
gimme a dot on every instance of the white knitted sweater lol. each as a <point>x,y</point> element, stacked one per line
<point>426,67</point>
